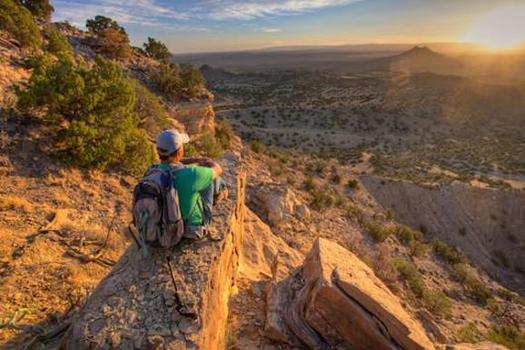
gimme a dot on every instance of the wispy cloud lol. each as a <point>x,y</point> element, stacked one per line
<point>145,12</point>
<point>246,10</point>
<point>270,30</point>
<point>161,13</point>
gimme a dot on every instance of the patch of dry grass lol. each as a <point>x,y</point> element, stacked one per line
<point>11,202</point>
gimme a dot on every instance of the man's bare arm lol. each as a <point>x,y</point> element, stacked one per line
<point>206,162</point>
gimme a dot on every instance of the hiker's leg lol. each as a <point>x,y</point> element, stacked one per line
<point>208,199</point>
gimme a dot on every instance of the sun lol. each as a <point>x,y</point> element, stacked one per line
<point>503,28</point>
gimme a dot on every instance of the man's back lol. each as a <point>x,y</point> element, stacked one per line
<point>189,181</point>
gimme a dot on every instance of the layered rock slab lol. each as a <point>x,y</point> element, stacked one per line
<point>175,299</point>
<point>336,301</point>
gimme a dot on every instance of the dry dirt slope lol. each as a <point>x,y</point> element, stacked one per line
<point>41,274</point>
<point>488,225</point>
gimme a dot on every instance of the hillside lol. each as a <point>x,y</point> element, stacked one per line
<point>81,109</point>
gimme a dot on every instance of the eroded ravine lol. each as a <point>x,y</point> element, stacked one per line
<point>486,224</point>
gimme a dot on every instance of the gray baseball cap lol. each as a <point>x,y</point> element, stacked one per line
<point>170,141</point>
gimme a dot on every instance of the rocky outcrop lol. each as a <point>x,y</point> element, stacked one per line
<point>197,116</point>
<point>336,301</point>
<point>173,299</point>
<point>276,203</point>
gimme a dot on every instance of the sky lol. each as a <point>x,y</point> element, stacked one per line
<point>228,25</point>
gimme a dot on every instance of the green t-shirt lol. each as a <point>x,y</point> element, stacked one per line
<point>189,182</point>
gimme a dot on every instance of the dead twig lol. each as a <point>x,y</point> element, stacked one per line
<point>52,226</point>
<point>87,258</point>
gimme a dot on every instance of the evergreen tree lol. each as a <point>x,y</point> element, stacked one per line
<point>193,81</point>
<point>58,44</point>
<point>101,23</point>
<point>157,50</point>
<point>41,9</point>
<point>113,44</point>
<point>168,80</point>
<point>94,111</point>
<point>112,39</point>
<point>18,21</point>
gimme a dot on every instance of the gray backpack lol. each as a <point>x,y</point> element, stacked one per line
<point>156,211</point>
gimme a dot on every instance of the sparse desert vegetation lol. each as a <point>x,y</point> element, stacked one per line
<point>384,174</point>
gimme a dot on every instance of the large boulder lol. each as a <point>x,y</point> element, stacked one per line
<point>173,299</point>
<point>277,203</point>
<point>335,300</point>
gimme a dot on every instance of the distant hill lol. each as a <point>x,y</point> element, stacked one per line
<point>344,59</point>
<point>420,59</point>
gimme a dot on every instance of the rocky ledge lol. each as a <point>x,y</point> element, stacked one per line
<point>334,301</point>
<point>174,299</point>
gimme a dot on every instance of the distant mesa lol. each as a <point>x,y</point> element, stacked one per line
<point>421,59</point>
<point>420,51</point>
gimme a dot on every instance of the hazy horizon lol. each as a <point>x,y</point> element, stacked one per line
<point>232,25</point>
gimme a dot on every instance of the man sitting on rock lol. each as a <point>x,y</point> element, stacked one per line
<point>197,182</point>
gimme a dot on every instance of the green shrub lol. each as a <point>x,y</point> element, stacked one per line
<point>437,302</point>
<point>58,44</point>
<point>257,146</point>
<point>378,231</point>
<point>309,184</point>
<point>208,146</point>
<point>472,286</point>
<point>450,254</point>
<point>224,134</point>
<point>151,114</point>
<point>321,200</point>
<point>101,23</point>
<point>406,235</point>
<point>192,80</point>
<point>470,333</point>
<point>138,152</point>
<point>356,212</point>
<point>93,110</point>
<point>412,239</point>
<point>353,184</point>
<point>418,248</point>
<point>507,335</point>
<point>190,150</point>
<point>157,50</point>
<point>18,21</point>
<point>41,9</point>
<point>113,44</point>
<point>409,273</point>
<point>167,79</point>
<point>112,39</point>
<point>434,301</point>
